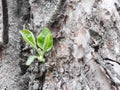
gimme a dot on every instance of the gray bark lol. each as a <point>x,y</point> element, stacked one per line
<point>86,52</point>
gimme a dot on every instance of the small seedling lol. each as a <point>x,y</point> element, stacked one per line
<point>43,44</point>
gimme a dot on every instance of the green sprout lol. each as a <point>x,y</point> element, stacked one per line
<point>43,44</point>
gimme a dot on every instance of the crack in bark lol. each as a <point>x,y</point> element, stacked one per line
<point>58,19</point>
<point>5,21</point>
<point>111,60</point>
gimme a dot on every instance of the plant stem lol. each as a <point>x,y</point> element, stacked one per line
<point>38,51</point>
<point>41,55</point>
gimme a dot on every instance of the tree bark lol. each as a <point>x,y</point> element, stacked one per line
<point>86,51</point>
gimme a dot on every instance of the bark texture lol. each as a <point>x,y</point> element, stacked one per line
<point>86,52</point>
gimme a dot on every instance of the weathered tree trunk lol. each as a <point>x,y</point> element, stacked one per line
<point>86,52</point>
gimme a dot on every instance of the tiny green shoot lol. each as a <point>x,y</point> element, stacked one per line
<point>43,44</point>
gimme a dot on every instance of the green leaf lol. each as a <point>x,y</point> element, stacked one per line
<point>42,36</point>
<point>48,43</point>
<point>28,37</point>
<point>30,59</point>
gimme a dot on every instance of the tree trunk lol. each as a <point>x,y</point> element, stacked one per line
<point>86,51</point>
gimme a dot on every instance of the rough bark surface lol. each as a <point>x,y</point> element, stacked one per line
<point>86,52</point>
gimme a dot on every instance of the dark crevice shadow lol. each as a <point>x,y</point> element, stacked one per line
<point>5,27</point>
<point>5,21</point>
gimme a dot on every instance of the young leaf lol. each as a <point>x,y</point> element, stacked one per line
<point>28,37</point>
<point>48,43</point>
<point>42,36</point>
<point>30,60</point>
